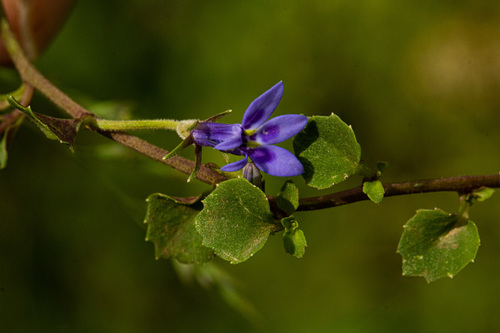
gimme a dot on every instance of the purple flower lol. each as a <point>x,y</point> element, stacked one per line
<point>255,136</point>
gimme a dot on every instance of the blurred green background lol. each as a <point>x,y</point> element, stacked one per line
<point>419,83</point>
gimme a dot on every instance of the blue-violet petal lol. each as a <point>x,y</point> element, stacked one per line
<point>262,107</point>
<point>230,144</point>
<point>211,134</point>
<point>279,129</point>
<point>235,166</point>
<point>275,161</point>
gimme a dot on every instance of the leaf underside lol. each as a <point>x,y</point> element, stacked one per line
<point>171,229</point>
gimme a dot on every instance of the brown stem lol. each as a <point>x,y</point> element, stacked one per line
<point>179,163</point>
<point>462,184</point>
<point>33,78</point>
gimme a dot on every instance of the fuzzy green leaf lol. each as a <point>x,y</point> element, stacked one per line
<point>236,220</point>
<point>171,229</point>
<point>374,190</point>
<point>436,244</point>
<point>328,150</point>
<point>294,239</point>
<point>288,197</point>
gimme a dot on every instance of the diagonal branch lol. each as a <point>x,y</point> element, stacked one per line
<point>30,75</point>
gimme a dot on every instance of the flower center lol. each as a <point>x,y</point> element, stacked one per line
<point>249,132</point>
<point>252,144</point>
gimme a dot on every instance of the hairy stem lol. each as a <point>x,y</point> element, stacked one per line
<point>125,125</point>
<point>462,184</point>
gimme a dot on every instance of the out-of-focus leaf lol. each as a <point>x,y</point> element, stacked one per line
<point>382,166</point>
<point>437,244</point>
<point>4,98</point>
<point>5,139</point>
<point>112,109</point>
<point>328,150</point>
<point>171,229</point>
<point>236,220</point>
<point>212,276</point>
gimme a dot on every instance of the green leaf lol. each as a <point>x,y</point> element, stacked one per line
<point>374,190</point>
<point>111,109</point>
<point>62,130</point>
<point>437,244</point>
<point>211,277</point>
<point>171,229</point>
<point>382,166</point>
<point>236,220</point>
<point>483,193</point>
<point>288,197</point>
<point>328,150</point>
<point>294,239</point>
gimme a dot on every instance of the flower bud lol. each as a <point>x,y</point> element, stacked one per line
<point>35,23</point>
<point>252,174</point>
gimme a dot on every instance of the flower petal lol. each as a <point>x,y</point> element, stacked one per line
<point>279,129</point>
<point>212,134</point>
<point>275,161</point>
<point>235,166</point>
<point>262,107</point>
<point>230,144</point>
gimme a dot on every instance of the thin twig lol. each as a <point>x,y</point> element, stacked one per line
<point>461,184</point>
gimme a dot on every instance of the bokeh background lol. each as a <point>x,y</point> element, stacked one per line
<point>418,81</point>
